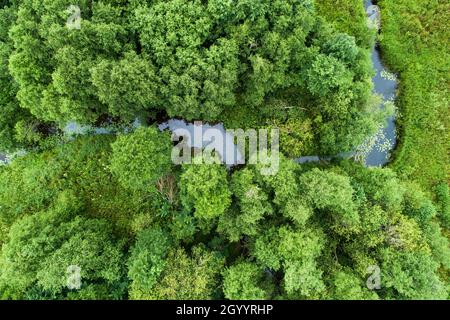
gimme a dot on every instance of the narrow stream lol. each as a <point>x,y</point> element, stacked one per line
<point>385,84</point>
<point>200,135</point>
<point>383,143</point>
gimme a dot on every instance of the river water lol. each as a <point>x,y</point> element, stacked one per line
<point>385,84</point>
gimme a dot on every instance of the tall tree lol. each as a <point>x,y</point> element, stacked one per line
<point>204,189</point>
<point>139,159</point>
<point>44,246</point>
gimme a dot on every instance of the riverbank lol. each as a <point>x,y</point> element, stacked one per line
<point>414,44</point>
<point>364,26</point>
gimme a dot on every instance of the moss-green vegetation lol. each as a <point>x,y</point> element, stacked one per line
<point>414,40</point>
<point>348,16</point>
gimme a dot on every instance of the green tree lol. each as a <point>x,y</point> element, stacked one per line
<point>185,277</point>
<point>147,261</point>
<point>438,243</point>
<point>333,193</point>
<point>128,86</point>
<point>252,205</point>
<point>266,249</point>
<point>326,75</point>
<point>139,159</point>
<point>9,106</point>
<point>51,62</point>
<point>343,47</point>
<point>243,281</point>
<point>299,250</point>
<point>199,69</point>
<point>204,189</point>
<point>42,247</point>
<point>347,286</point>
<point>411,275</point>
<point>443,198</point>
<point>417,205</point>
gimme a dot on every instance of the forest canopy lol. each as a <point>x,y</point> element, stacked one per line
<point>247,63</point>
<point>108,215</point>
<point>306,233</point>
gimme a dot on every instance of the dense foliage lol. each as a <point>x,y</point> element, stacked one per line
<point>110,216</point>
<point>307,232</point>
<point>209,60</point>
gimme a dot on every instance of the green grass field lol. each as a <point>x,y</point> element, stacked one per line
<point>414,41</point>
